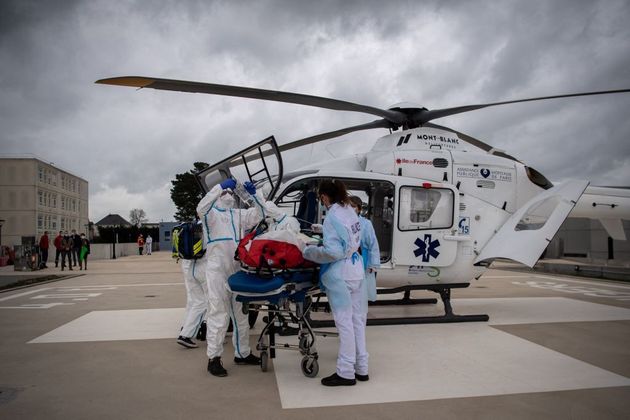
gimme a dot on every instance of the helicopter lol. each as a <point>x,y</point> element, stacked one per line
<point>444,205</point>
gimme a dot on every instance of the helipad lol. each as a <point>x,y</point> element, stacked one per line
<point>103,346</point>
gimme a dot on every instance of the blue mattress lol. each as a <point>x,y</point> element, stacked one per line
<point>251,283</point>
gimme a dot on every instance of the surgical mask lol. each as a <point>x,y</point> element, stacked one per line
<point>227,200</point>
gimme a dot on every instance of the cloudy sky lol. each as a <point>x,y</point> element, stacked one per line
<point>129,144</point>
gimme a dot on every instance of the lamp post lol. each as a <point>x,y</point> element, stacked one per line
<point>114,244</point>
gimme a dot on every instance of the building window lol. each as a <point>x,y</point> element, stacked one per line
<point>40,195</point>
<point>54,222</point>
<point>54,200</point>
<point>40,222</point>
<point>41,173</point>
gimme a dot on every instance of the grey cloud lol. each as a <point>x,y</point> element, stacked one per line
<point>438,54</point>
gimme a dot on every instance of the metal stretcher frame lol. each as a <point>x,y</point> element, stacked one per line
<point>294,300</point>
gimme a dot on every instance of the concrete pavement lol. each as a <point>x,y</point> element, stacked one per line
<point>102,345</point>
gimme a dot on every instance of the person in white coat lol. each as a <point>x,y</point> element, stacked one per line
<point>370,250</point>
<point>148,244</point>
<point>222,227</point>
<point>342,278</point>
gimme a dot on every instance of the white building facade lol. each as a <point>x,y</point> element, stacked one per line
<point>36,196</point>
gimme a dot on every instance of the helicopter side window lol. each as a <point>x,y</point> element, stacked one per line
<point>422,208</point>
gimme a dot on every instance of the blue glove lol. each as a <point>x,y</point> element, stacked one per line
<point>250,188</point>
<point>228,183</point>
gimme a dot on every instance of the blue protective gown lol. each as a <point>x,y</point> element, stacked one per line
<point>342,277</point>
<point>371,256</point>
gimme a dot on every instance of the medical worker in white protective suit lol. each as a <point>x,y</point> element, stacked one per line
<point>277,220</point>
<point>196,299</point>
<point>370,251</point>
<point>222,225</point>
<point>342,277</point>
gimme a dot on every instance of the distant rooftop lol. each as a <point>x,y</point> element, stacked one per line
<point>113,220</point>
<point>41,159</point>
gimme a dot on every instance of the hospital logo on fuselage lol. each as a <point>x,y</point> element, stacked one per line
<point>427,248</point>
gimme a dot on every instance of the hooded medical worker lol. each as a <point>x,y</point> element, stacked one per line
<point>342,278</point>
<point>277,220</point>
<point>370,251</point>
<point>222,225</point>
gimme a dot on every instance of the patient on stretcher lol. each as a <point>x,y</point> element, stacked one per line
<point>277,245</point>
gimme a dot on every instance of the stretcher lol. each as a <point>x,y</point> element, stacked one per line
<point>281,294</point>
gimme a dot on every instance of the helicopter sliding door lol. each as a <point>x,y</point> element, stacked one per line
<point>300,199</point>
<point>260,164</point>
<point>426,216</point>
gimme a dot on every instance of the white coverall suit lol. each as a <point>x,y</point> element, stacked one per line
<point>196,295</point>
<point>343,278</point>
<point>222,234</point>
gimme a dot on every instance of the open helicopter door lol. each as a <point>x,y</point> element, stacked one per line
<point>260,163</point>
<point>526,234</point>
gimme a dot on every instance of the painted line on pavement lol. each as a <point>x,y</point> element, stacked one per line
<point>591,283</point>
<point>24,294</point>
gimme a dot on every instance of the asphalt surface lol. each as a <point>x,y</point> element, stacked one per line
<point>47,372</point>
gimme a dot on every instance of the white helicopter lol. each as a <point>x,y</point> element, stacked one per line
<point>444,205</point>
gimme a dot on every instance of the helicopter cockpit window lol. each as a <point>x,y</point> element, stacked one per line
<point>425,208</point>
<point>300,200</point>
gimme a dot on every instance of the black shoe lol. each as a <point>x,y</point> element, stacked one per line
<point>186,342</point>
<point>362,378</point>
<point>215,367</point>
<point>249,360</point>
<point>336,380</point>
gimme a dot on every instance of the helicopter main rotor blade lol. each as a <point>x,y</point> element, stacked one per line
<point>332,134</point>
<point>253,93</point>
<point>317,138</point>
<point>475,142</point>
<point>425,116</point>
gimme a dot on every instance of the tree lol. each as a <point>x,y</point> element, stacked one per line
<point>137,217</point>
<point>186,193</point>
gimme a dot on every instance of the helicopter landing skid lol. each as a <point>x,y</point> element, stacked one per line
<point>445,295</point>
<point>405,300</point>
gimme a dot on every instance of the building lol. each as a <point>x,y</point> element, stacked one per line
<point>36,196</point>
<point>112,220</point>
<point>586,240</point>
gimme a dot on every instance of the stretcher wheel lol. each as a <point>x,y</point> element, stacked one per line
<point>264,361</point>
<point>305,343</point>
<point>310,367</point>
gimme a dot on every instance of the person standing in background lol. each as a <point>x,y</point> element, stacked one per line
<point>149,244</point>
<point>43,248</point>
<point>58,249</point>
<point>66,250</point>
<point>76,247</point>
<point>140,242</point>
<point>85,251</point>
